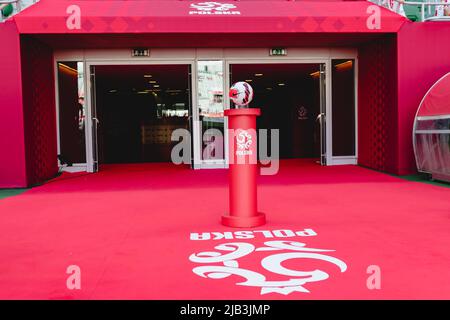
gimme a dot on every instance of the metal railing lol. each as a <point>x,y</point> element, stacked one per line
<point>426,9</point>
<point>431,8</point>
<point>17,6</point>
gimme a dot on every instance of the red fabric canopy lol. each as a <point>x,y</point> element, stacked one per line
<point>437,100</point>
<point>51,16</point>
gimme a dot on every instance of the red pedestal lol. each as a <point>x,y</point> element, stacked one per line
<point>243,169</point>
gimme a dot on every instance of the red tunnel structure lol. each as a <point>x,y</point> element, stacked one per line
<point>396,64</point>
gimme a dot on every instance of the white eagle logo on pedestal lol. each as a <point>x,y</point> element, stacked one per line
<point>244,140</point>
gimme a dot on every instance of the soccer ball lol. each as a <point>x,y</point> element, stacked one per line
<point>241,93</point>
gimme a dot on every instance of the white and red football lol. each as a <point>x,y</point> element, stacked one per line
<point>241,93</point>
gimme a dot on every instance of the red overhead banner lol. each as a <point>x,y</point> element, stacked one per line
<point>90,17</point>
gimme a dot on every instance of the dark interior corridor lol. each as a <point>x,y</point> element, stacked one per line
<point>288,95</point>
<point>138,107</point>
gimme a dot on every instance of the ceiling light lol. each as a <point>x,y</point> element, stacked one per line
<point>147,76</point>
<point>269,88</point>
<point>112,91</point>
<point>249,80</point>
<point>344,65</point>
<point>281,84</point>
<point>152,81</point>
<point>156,86</point>
<point>258,74</point>
<point>67,68</point>
<point>315,74</point>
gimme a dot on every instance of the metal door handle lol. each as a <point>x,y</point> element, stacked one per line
<point>320,116</point>
<point>96,120</point>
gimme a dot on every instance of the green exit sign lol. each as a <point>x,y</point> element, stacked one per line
<point>140,52</point>
<point>278,52</point>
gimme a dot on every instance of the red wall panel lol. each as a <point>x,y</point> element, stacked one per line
<point>39,110</point>
<point>12,143</point>
<point>423,58</point>
<point>377,107</point>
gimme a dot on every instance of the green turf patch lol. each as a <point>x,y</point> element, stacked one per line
<point>424,179</point>
<point>4,193</point>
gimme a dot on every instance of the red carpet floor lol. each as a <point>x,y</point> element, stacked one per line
<point>128,230</point>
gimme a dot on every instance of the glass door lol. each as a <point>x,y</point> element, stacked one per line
<point>71,113</point>
<point>92,123</point>
<point>208,119</point>
<point>138,114</point>
<point>343,113</point>
<point>322,118</point>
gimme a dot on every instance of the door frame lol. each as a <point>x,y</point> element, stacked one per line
<point>76,167</point>
<point>191,56</point>
<point>197,137</point>
<point>319,61</point>
<point>343,160</point>
<point>88,100</point>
